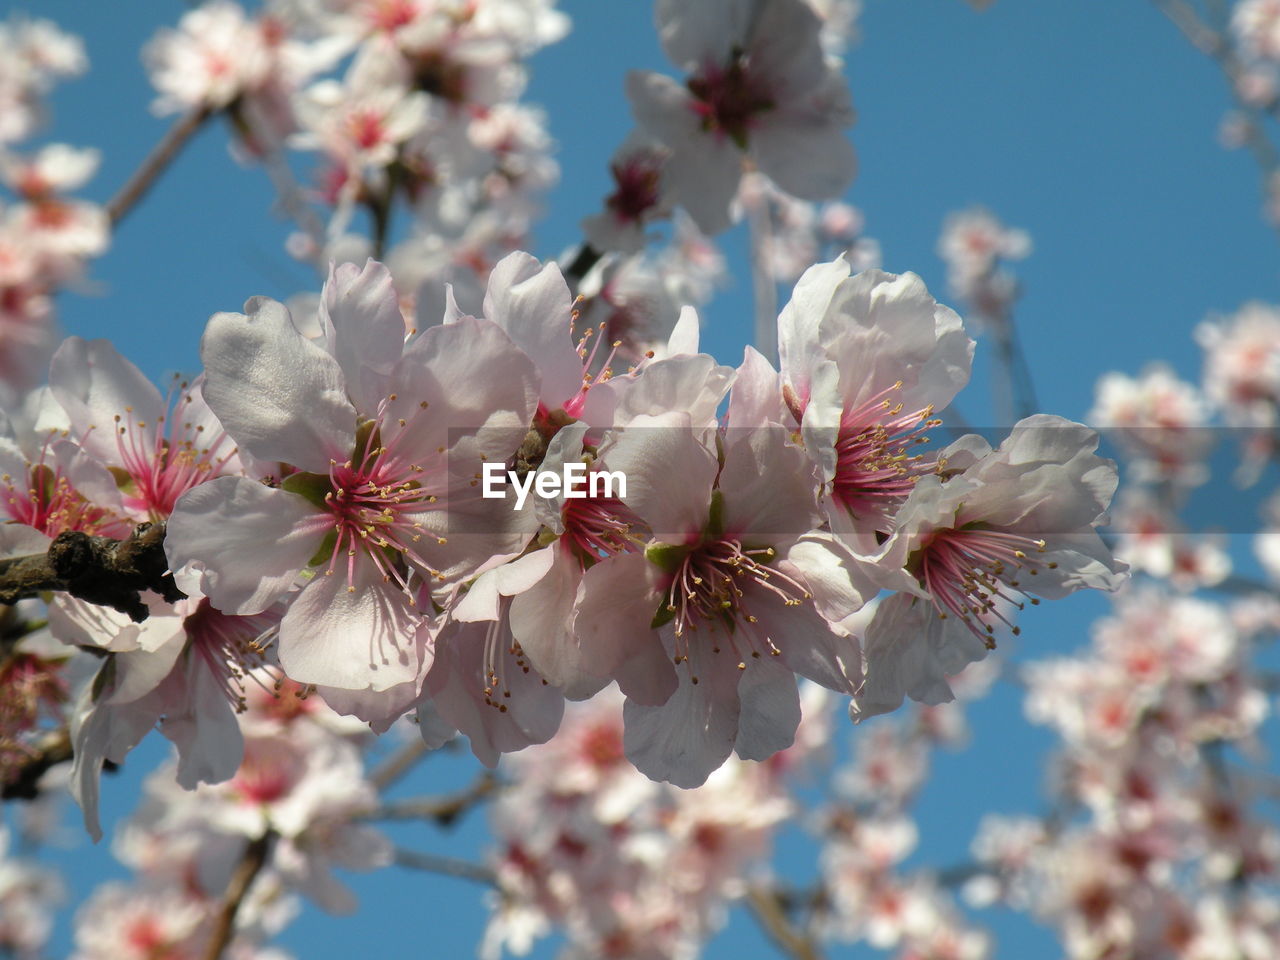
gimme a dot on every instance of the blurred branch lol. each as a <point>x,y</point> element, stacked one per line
<point>22,782</point>
<point>586,258</point>
<point>767,908</point>
<point>161,156</point>
<point>107,572</point>
<point>444,810</point>
<point>247,870</point>
<point>446,866</point>
<point>1213,44</point>
<point>763,285</point>
<point>398,764</point>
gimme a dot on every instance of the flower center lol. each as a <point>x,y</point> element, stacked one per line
<point>729,99</point>
<point>375,501</point>
<point>968,571</point>
<point>231,648</point>
<point>875,470</point>
<point>711,589</point>
<point>162,461</point>
<point>599,527</point>
<point>637,190</point>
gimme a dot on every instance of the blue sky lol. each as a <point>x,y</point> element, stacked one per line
<point>1091,124</point>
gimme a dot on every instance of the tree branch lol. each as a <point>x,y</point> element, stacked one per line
<point>767,909</point>
<point>444,810</point>
<point>447,866</point>
<point>111,573</point>
<point>161,156</point>
<point>22,781</point>
<point>247,870</point>
<point>398,764</point>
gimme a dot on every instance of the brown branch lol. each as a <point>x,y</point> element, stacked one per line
<point>443,810</point>
<point>447,866</point>
<point>50,750</point>
<point>768,911</point>
<point>586,258</point>
<point>111,573</point>
<point>161,156</point>
<point>247,870</point>
<point>398,764</point>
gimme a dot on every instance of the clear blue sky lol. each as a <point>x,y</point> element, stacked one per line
<point>1092,124</point>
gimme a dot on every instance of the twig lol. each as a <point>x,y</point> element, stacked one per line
<point>763,286</point>
<point>50,750</point>
<point>444,810</point>
<point>447,866</point>
<point>107,572</point>
<point>247,870</point>
<point>398,764</point>
<point>160,157</point>
<point>766,908</point>
<point>586,258</point>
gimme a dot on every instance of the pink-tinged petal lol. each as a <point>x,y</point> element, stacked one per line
<point>18,540</point>
<point>800,347</point>
<point>100,733</point>
<point>364,329</point>
<point>199,721</point>
<point>378,708</point>
<point>770,709</point>
<point>786,55</point>
<point>434,729</point>
<point>464,387</point>
<point>542,620</point>
<point>685,334</point>
<point>87,624</point>
<point>618,601</point>
<point>457,683</point>
<point>95,385</point>
<point>140,672</point>
<point>669,472</point>
<point>246,542</point>
<point>808,156</point>
<point>694,384</point>
<point>281,396</point>
<point>532,303</point>
<point>693,733</point>
<point>883,328</point>
<point>465,533</point>
<point>910,652</point>
<point>705,168</point>
<point>483,598</point>
<point>839,581</point>
<point>695,34</point>
<point>770,486</point>
<point>89,477</point>
<point>820,425</point>
<point>806,643</point>
<point>356,639</point>
<point>756,399</point>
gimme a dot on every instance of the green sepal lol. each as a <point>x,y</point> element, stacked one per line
<point>667,557</point>
<point>43,481</point>
<point>325,550</point>
<point>715,519</point>
<point>664,615</point>
<point>312,487</point>
<point>104,680</point>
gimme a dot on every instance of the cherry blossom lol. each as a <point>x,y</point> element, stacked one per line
<point>762,88</point>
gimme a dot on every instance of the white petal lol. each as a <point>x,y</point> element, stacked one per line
<point>246,541</point>
<point>279,395</point>
<point>361,319</point>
